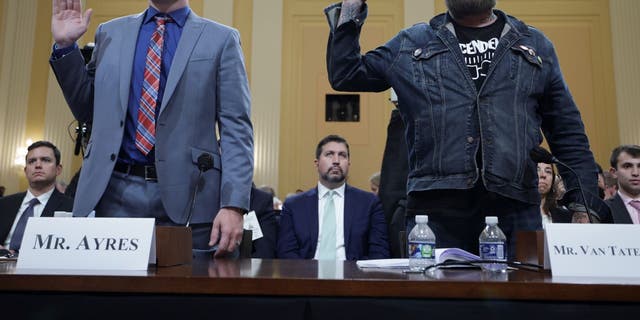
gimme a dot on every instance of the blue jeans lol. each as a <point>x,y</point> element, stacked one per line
<point>457,216</point>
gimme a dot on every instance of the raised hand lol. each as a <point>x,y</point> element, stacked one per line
<point>349,10</point>
<point>68,23</point>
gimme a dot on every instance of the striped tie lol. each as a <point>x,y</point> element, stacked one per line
<point>146,129</point>
<point>18,232</point>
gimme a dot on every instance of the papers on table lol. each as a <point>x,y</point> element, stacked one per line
<point>442,254</point>
<point>384,263</point>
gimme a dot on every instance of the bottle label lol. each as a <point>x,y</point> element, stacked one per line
<point>493,251</point>
<point>422,250</point>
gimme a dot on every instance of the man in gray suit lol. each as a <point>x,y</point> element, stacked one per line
<point>158,87</point>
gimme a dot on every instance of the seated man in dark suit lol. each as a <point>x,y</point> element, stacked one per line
<point>333,221</point>
<point>262,206</point>
<point>40,200</point>
<point>625,166</point>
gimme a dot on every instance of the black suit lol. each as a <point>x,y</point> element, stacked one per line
<point>262,204</point>
<point>619,213</point>
<point>10,205</point>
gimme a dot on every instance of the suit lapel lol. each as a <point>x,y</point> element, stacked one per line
<point>620,213</point>
<point>192,30</point>
<point>128,40</point>
<point>8,213</point>
<point>348,213</point>
<point>52,204</point>
<point>312,217</point>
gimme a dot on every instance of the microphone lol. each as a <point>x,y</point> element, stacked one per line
<point>205,162</point>
<point>540,154</point>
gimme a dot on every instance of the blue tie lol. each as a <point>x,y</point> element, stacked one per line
<point>18,232</point>
<point>327,250</point>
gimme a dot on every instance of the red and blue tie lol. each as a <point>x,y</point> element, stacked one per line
<point>146,129</point>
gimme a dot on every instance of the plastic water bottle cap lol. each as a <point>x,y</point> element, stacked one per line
<point>491,220</point>
<point>422,219</point>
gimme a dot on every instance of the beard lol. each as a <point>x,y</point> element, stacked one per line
<point>333,178</point>
<point>463,8</point>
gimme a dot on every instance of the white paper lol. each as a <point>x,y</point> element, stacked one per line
<point>383,263</point>
<point>251,223</point>
<point>593,250</point>
<point>87,244</point>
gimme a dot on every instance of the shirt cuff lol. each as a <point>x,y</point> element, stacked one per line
<point>61,52</point>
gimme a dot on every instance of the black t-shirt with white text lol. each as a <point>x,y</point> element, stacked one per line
<point>478,46</point>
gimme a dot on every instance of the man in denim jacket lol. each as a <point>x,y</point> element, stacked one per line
<point>476,89</point>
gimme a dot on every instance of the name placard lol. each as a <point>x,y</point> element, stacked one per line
<point>87,244</point>
<point>593,250</point>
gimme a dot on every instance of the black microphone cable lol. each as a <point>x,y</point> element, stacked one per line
<point>478,264</point>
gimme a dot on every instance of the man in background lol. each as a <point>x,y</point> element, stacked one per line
<point>333,221</point>
<point>41,199</point>
<point>625,167</point>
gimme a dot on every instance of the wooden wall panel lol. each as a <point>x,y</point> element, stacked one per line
<point>305,84</point>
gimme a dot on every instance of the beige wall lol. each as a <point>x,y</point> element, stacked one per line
<point>31,105</point>
<point>625,24</point>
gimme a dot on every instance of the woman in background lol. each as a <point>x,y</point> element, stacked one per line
<point>548,189</point>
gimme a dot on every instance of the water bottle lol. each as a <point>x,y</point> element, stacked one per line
<point>421,244</point>
<point>493,246</point>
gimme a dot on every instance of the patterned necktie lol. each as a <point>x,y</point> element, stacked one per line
<point>18,232</point>
<point>327,249</point>
<point>636,204</point>
<point>146,129</point>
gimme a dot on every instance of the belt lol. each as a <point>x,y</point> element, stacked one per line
<point>148,172</point>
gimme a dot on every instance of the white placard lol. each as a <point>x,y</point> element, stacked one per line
<point>593,250</point>
<point>87,244</point>
<point>251,223</point>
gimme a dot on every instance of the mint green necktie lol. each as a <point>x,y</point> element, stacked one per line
<point>327,249</point>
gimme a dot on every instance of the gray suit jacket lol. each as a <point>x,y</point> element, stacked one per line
<point>206,90</point>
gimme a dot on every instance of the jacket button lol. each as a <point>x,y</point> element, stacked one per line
<point>121,123</point>
<point>470,139</point>
<point>417,53</point>
<point>113,157</point>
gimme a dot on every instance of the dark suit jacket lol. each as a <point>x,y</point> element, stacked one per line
<point>619,213</point>
<point>393,183</point>
<point>262,204</point>
<point>10,205</point>
<point>365,230</point>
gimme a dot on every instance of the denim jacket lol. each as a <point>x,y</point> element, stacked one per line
<point>448,121</point>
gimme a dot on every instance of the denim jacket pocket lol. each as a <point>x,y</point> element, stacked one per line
<point>526,65</point>
<point>429,64</point>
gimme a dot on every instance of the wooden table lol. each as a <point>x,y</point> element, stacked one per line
<point>308,289</point>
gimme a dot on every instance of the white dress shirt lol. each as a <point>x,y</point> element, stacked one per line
<point>37,210</point>
<point>338,201</point>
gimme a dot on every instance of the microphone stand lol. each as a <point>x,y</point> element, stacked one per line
<point>584,199</point>
<point>205,162</point>
<point>539,154</point>
<point>174,243</point>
